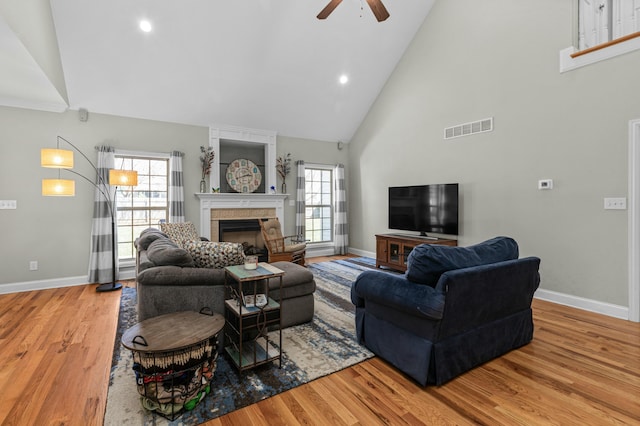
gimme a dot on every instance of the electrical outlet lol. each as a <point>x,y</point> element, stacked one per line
<point>615,203</point>
<point>33,265</point>
<point>545,184</point>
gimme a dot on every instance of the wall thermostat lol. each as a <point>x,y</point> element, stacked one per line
<point>83,114</point>
<point>545,184</point>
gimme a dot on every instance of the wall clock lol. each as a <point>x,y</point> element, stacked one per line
<point>243,175</point>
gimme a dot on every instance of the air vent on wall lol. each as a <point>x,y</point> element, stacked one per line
<point>466,129</point>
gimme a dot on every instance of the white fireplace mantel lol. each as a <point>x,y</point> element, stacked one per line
<point>237,201</point>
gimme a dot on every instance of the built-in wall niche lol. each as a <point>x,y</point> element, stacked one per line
<point>233,150</point>
<point>231,143</point>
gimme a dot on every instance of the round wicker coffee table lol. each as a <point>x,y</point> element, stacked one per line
<point>174,358</point>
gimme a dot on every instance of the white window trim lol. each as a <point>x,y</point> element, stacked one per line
<point>129,262</point>
<point>567,63</point>
<point>322,244</point>
<point>127,153</point>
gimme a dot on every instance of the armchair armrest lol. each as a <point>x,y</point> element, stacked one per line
<point>296,239</point>
<point>397,292</point>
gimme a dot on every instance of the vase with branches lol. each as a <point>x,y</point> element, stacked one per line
<point>283,167</point>
<point>206,159</point>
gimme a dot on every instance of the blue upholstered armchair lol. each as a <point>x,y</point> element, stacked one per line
<point>454,309</point>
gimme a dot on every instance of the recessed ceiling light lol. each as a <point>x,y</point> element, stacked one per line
<point>344,79</point>
<point>145,26</point>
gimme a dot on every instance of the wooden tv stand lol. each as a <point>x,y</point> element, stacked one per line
<point>392,250</point>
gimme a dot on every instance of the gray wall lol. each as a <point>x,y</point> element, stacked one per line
<point>310,151</point>
<point>55,231</point>
<point>497,58</point>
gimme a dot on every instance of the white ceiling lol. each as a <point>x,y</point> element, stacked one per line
<point>265,64</point>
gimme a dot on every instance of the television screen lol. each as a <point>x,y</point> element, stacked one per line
<point>424,208</point>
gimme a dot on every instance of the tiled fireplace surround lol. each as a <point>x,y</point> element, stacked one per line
<point>215,208</point>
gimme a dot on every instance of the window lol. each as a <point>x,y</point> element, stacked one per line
<point>600,21</point>
<point>606,29</point>
<point>318,204</point>
<point>143,206</point>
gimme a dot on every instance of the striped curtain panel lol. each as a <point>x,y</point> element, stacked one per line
<point>340,225</point>
<point>300,199</point>
<point>100,258</point>
<point>176,188</point>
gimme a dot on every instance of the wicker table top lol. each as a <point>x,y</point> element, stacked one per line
<point>171,332</point>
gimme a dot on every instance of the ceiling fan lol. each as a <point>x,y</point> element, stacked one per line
<point>376,6</point>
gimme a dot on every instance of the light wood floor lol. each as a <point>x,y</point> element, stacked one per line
<point>580,369</point>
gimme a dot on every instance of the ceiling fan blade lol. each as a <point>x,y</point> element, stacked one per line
<point>328,9</point>
<point>378,10</point>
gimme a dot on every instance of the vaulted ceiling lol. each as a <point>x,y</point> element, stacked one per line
<point>266,64</point>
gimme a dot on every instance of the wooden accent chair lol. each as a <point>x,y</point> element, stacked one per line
<point>277,246</point>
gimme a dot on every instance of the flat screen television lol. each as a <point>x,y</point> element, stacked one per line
<point>424,208</point>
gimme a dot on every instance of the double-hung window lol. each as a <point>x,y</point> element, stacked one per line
<point>142,206</point>
<point>318,203</point>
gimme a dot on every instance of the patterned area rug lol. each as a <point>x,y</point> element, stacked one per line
<point>325,345</point>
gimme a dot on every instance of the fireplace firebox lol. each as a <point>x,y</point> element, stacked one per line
<point>248,233</point>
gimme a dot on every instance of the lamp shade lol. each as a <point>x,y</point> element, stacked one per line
<point>58,187</point>
<point>123,177</point>
<point>56,158</point>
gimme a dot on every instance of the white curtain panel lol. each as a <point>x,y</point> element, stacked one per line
<point>100,259</point>
<point>300,199</point>
<point>340,225</point>
<point>176,188</point>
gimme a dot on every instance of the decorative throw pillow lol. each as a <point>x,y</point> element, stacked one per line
<point>163,252</point>
<point>427,262</point>
<point>148,236</point>
<point>180,232</point>
<point>209,254</point>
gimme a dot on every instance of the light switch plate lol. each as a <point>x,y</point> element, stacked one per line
<point>615,203</point>
<point>8,204</point>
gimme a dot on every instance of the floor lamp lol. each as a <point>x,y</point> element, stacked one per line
<point>63,159</point>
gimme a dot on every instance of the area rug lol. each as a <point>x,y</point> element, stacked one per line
<point>325,345</point>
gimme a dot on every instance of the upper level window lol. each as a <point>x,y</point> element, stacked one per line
<point>606,29</point>
<point>143,206</point>
<point>601,21</point>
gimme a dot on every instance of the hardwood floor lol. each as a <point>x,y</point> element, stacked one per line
<point>581,368</point>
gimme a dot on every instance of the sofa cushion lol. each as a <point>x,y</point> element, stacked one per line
<point>148,236</point>
<point>163,252</point>
<point>297,281</point>
<point>144,262</point>
<point>210,254</point>
<point>427,262</point>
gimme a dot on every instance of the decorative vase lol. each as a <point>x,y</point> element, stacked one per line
<point>203,186</point>
<point>284,188</point>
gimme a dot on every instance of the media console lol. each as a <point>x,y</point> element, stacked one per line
<point>392,250</point>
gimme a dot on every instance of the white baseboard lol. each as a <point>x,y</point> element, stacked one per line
<point>362,253</point>
<point>42,284</point>
<point>55,283</point>
<point>603,308</point>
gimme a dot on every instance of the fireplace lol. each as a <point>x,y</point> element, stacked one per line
<point>232,207</point>
<point>247,232</point>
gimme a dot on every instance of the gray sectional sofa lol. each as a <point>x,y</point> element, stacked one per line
<point>171,278</point>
